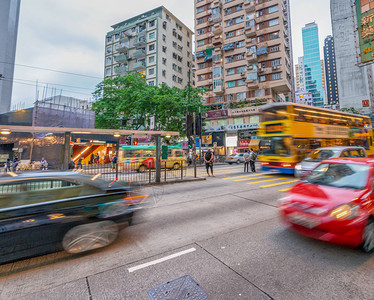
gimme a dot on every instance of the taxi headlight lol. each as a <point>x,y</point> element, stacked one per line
<point>345,211</point>
<point>298,167</point>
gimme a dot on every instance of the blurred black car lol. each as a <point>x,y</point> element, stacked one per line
<point>44,212</point>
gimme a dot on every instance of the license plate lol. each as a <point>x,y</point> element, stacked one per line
<point>303,220</point>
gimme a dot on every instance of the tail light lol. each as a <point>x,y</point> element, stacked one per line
<point>131,200</point>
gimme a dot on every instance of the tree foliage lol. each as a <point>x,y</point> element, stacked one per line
<point>350,110</point>
<point>128,102</point>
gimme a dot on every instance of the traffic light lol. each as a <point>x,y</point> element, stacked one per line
<point>188,125</point>
<point>128,140</point>
<point>135,142</point>
<point>191,143</point>
<point>200,124</point>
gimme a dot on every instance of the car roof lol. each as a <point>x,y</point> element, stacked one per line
<point>351,160</point>
<point>339,148</point>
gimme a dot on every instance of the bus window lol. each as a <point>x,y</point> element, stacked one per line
<point>133,153</point>
<point>274,114</point>
<point>278,146</point>
<point>179,153</point>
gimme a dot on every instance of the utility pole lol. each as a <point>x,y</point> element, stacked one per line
<point>194,144</point>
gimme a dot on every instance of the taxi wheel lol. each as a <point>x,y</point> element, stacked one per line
<point>91,236</point>
<point>142,169</point>
<point>176,166</point>
<point>238,162</point>
<point>368,244</point>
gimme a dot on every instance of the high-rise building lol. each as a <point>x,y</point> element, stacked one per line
<point>312,63</point>
<point>355,82</point>
<point>300,74</point>
<point>243,51</point>
<point>155,44</point>
<point>330,70</point>
<point>9,15</point>
<point>304,97</point>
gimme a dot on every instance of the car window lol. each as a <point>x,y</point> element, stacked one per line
<point>40,185</point>
<point>357,153</point>
<point>12,188</point>
<point>346,153</point>
<point>322,154</point>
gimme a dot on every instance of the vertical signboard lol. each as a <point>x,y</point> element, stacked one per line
<point>365,24</point>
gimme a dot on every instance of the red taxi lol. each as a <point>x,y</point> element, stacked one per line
<point>334,202</point>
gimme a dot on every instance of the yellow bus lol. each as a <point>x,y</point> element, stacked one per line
<point>141,158</point>
<point>289,131</point>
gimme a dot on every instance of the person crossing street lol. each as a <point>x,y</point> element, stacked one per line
<point>252,159</point>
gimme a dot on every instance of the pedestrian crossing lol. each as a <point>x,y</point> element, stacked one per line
<point>264,180</point>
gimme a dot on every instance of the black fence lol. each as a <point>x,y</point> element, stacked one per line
<point>135,172</point>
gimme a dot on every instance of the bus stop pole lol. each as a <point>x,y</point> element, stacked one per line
<point>194,148</point>
<point>117,152</point>
<point>66,157</point>
<point>158,158</point>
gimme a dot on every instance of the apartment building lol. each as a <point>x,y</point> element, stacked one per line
<point>300,74</point>
<point>155,44</point>
<point>243,56</point>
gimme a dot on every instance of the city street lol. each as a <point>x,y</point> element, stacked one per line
<point>223,231</point>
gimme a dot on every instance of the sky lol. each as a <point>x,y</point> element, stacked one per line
<point>69,37</point>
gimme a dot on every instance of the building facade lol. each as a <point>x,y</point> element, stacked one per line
<point>243,55</point>
<point>355,82</point>
<point>330,71</point>
<point>312,63</point>
<point>9,15</point>
<point>155,44</point>
<point>304,97</point>
<point>300,74</point>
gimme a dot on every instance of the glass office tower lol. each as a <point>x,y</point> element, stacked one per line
<point>312,63</point>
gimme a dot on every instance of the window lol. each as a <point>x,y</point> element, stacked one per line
<point>274,35</point>
<point>241,82</point>
<point>240,56</point>
<point>239,20</point>
<point>230,71</point>
<point>273,22</point>
<point>276,76</point>
<point>273,9</point>
<point>152,23</point>
<point>164,49</point>
<point>229,34</point>
<point>107,71</point>
<point>151,47</point>
<point>262,78</point>
<point>200,31</point>
<point>151,59</point>
<point>241,96</point>
<point>239,44</point>
<point>229,22</point>
<point>240,69</point>
<point>200,43</point>
<point>274,49</point>
<point>109,39</point>
<point>164,37</point>
<point>200,20</point>
<point>151,83</point>
<point>230,97</point>
<point>108,60</point>
<point>163,72</point>
<point>152,35</point>
<point>164,60</point>
<point>230,58</point>
<point>200,9</point>
<point>151,71</point>
<point>188,44</point>
<point>230,84</point>
<point>109,49</point>
<point>201,66</point>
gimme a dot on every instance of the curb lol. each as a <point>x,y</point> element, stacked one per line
<point>177,181</point>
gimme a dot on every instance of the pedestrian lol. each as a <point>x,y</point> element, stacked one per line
<point>252,157</point>
<point>71,164</point>
<point>8,165</point>
<point>208,158</point>
<point>79,164</point>
<point>92,158</point>
<point>97,158</point>
<point>246,157</point>
<point>43,164</point>
<point>15,164</point>
<point>114,161</point>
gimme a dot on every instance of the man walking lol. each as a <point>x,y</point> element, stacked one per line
<point>252,158</point>
<point>208,158</point>
<point>246,157</point>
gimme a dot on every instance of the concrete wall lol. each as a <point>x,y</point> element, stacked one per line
<point>9,13</point>
<point>353,81</point>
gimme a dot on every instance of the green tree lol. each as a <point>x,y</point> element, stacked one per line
<point>350,110</point>
<point>129,103</point>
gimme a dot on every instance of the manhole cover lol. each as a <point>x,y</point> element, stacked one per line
<point>178,289</point>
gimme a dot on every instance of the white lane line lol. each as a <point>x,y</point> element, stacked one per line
<point>154,262</point>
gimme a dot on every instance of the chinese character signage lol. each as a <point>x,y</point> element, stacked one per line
<point>365,22</point>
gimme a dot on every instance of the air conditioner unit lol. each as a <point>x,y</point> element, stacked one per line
<point>242,73</point>
<point>275,67</point>
<point>210,19</point>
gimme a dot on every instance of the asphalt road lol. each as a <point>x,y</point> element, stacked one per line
<point>223,232</point>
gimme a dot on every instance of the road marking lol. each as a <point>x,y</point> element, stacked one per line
<point>266,180</point>
<point>245,179</point>
<point>157,261</point>
<point>246,176</point>
<point>279,183</point>
<point>285,190</point>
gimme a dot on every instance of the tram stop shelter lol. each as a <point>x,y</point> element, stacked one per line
<point>32,139</point>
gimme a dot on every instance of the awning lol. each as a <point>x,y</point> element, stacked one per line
<point>254,142</point>
<point>208,57</point>
<point>200,54</point>
<point>230,46</point>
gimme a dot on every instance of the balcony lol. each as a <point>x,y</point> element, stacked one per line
<point>217,29</point>
<point>140,41</point>
<point>218,89</point>
<point>217,41</point>
<point>139,53</point>
<point>217,3</point>
<point>249,6</point>
<point>122,58</point>
<point>122,47</point>
<point>251,57</point>
<point>139,65</point>
<point>252,84</point>
<point>121,69</point>
<point>250,31</point>
<point>216,18</point>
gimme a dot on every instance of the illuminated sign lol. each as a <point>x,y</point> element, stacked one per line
<point>365,103</point>
<point>330,131</point>
<point>365,23</point>
<point>274,128</point>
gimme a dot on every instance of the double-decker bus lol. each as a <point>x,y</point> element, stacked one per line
<point>289,131</point>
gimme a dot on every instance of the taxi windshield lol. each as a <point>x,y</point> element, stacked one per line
<point>319,155</point>
<point>341,175</point>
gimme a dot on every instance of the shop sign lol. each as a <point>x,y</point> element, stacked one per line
<point>218,137</point>
<point>274,128</point>
<point>207,139</point>
<point>4,157</point>
<point>365,22</point>
<point>215,114</point>
<point>330,131</point>
<point>242,126</point>
<point>244,143</point>
<point>245,134</point>
<point>365,103</point>
<point>215,128</point>
<point>252,110</point>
